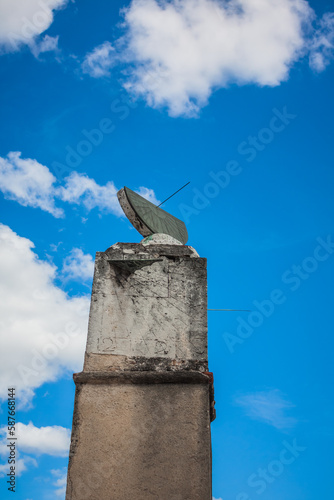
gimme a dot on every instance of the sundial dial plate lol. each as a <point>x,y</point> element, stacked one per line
<point>149,219</point>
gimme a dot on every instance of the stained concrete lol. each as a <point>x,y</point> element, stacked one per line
<point>144,401</point>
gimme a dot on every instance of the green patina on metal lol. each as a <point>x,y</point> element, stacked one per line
<point>154,219</point>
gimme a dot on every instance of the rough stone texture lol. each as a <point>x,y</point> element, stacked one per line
<point>141,377</point>
<point>160,238</point>
<point>140,442</point>
<point>143,403</point>
<point>113,362</point>
<point>156,311</point>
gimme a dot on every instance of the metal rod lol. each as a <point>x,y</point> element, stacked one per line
<point>173,194</point>
<point>246,310</point>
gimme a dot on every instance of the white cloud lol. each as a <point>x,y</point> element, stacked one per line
<point>269,407</point>
<point>21,465</point>
<point>46,44</point>
<point>28,182</point>
<point>60,483</point>
<point>183,50</point>
<point>54,247</point>
<point>148,194</point>
<point>22,462</point>
<point>322,44</point>
<point>99,62</point>
<point>33,185</point>
<point>81,189</point>
<point>178,52</point>
<point>78,265</point>
<point>52,440</point>
<point>43,328</point>
<point>21,21</point>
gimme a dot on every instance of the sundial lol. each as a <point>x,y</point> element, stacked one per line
<point>149,219</point>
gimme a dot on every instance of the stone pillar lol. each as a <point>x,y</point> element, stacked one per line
<point>143,402</point>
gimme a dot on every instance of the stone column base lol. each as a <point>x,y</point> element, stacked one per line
<point>141,436</point>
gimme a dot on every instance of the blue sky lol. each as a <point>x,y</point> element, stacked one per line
<point>235,97</point>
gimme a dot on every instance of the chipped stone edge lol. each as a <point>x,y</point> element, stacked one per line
<point>163,250</point>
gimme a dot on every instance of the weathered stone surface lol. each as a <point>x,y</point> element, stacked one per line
<point>142,442</point>
<point>156,311</point>
<point>142,377</point>
<point>144,401</point>
<point>141,250</point>
<point>114,362</point>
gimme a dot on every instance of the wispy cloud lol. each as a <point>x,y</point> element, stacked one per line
<point>46,44</point>
<point>32,184</point>
<point>78,266</point>
<point>269,407</point>
<point>99,62</point>
<point>80,189</point>
<point>52,440</point>
<point>23,462</point>
<point>60,483</point>
<point>322,43</point>
<point>29,183</point>
<point>22,465</point>
<point>149,194</point>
